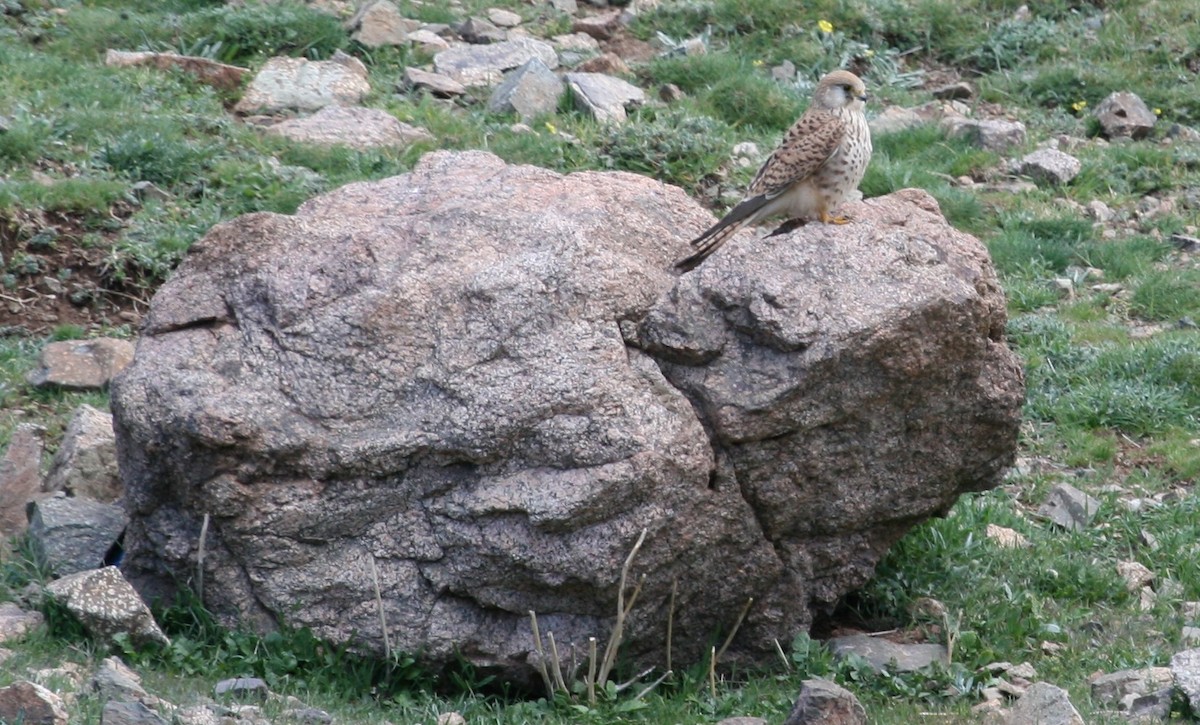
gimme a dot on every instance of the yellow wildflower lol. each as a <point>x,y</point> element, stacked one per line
<point>551,127</point>
<point>825,26</point>
<point>758,63</point>
<point>1079,105</point>
<point>1158,112</point>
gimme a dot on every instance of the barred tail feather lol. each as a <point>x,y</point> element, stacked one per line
<point>710,241</point>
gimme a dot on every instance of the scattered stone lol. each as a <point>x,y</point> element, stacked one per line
<point>881,653</point>
<point>1185,671</point>
<point>1100,211</point>
<point>146,191</point>
<point>71,534</point>
<point>671,93</point>
<point>1024,671</point>
<point>86,462</point>
<point>29,703</point>
<point>1190,635</point>
<point>210,72</point>
<point>743,721</point>
<point>484,65</point>
<point>1185,243</point>
<point>436,83</point>
<point>20,478</point>
<point>428,41</point>
<point>601,26</point>
<point>604,63</point>
<point>242,687</point>
<point>1013,690</point>
<point>893,119</point>
<point>604,97</point>
<point>1124,114</point>
<point>1191,612</point>
<point>746,154</point>
<point>480,32</point>
<point>353,126</point>
<point>1044,704</point>
<point>15,622</point>
<point>1006,538</point>
<point>577,43</point>
<point>81,364</point>
<point>451,718</point>
<point>503,18</point>
<point>1051,166</point>
<point>1113,689</point>
<point>1064,286</point>
<point>198,715</point>
<point>1135,574</point>
<point>531,90</point>
<point>116,712</point>
<point>113,680</point>
<point>785,72</point>
<point>959,91</point>
<point>300,84</point>
<point>822,702</point>
<point>380,23</point>
<point>1052,648</point>
<point>927,608</point>
<point>1069,507</point>
<point>570,7</point>
<point>107,605</point>
<point>992,135</point>
<point>312,716</point>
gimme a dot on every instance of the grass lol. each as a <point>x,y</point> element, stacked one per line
<point>1113,365</point>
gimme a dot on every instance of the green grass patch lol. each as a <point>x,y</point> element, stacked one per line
<point>1167,295</point>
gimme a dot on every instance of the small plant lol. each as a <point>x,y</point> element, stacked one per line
<point>245,33</point>
<point>677,148</point>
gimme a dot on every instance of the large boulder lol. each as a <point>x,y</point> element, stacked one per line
<point>470,388</point>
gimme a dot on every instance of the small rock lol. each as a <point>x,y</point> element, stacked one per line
<point>197,715</point>
<point>1185,671</point>
<point>428,41</point>
<point>746,154</point>
<point>743,721</point>
<point>893,119</point>
<point>1135,574</point>
<point>577,42</point>
<point>81,364</point>
<point>309,716</point>
<point>1012,689</point>
<point>86,462</point>
<point>671,93</point>
<point>531,90</point>
<point>1005,538</point>
<point>601,26</point>
<point>1024,670</point>
<point>380,23</point>
<point>1064,286</point>
<point>480,32</point>
<point>107,605</point>
<point>959,91</point>
<point>1052,648</point>
<point>15,622</point>
<point>503,18</point>
<point>241,687</point>
<point>822,702</point>
<point>1109,288</point>
<point>1191,612</point>
<point>570,7</point>
<point>74,534</point>
<point>1044,704</point>
<point>1100,211</point>
<point>439,85</point>
<point>286,83</point>
<point>145,191</point>
<point>1051,166</point>
<point>28,703</point>
<point>114,681</point>
<point>352,126</point>
<point>484,65</point>
<point>785,72</point>
<point>604,63</point>
<point>20,478</point>
<point>451,718</point>
<point>1110,689</point>
<point>992,135</point>
<point>1069,507</point>
<point>129,713</point>
<point>1123,114</point>
<point>1190,635</point>
<point>881,653</point>
<point>927,608</point>
<point>210,72</point>
<point>604,97</point>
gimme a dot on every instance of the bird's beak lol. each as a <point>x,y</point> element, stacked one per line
<point>864,97</point>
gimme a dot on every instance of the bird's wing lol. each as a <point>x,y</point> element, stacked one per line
<point>805,147</point>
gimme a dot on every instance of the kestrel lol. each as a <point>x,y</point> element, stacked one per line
<point>820,161</point>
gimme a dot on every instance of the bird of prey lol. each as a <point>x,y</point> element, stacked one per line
<point>820,161</point>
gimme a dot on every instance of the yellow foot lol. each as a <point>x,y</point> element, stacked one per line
<point>827,218</point>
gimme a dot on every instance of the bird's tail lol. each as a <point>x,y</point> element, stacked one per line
<point>710,241</point>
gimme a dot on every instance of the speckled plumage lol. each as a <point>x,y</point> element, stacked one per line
<point>818,164</point>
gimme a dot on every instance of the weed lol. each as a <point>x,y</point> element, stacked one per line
<point>674,147</point>
<point>247,33</point>
<point>1167,295</point>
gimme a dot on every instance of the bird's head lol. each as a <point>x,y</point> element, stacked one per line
<point>839,90</point>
